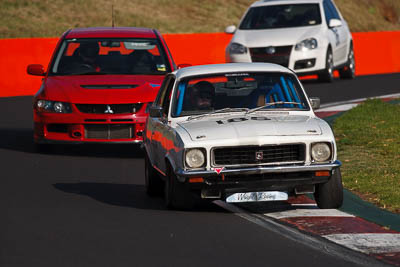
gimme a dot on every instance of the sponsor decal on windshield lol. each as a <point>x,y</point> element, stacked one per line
<point>161,67</point>
<point>139,45</point>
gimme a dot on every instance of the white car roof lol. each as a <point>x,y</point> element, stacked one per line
<point>229,67</point>
<point>282,2</point>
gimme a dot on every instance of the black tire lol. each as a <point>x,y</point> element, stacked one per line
<point>329,195</point>
<point>153,183</point>
<point>177,196</point>
<point>327,74</point>
<point>349,71</point>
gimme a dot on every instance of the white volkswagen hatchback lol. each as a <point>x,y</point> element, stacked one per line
<point>307,36</point>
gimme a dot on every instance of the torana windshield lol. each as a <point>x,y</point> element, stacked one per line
<point>238,92</point>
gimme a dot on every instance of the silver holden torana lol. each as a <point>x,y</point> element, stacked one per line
<point>239,132</point>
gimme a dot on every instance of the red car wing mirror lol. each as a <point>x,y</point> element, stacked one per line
<point>35,69</point>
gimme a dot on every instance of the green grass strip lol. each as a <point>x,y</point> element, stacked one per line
<point>368,139</point>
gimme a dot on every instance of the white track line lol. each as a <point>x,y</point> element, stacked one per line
<point>356,100</point>
<point>308,213</point>
<point>293,234</point>
<point>343,107</point>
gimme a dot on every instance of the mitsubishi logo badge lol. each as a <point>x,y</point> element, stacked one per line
<point>270,50</point>
<point>259,155</point>
<point>108,110</point>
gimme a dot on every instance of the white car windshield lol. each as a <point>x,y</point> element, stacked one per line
<point>238,92</point>
<point>281,16</point>
<point>110,56</point>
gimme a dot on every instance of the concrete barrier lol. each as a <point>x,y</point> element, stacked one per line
<point>375,53</point>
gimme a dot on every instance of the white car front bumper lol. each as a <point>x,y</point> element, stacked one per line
<point>292,59</point>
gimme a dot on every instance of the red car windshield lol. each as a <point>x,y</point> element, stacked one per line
<point>110,56</point>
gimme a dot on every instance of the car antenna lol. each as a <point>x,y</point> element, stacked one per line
<point>112,13</point>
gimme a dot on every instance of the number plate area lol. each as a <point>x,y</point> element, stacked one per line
<point>257,196</point>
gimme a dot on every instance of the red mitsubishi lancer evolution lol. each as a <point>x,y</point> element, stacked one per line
<point>99,85</point>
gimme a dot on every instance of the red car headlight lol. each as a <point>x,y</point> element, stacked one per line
<point>53,106</point>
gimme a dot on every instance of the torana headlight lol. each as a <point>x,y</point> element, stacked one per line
<point>195,158</point>
<point>236,48</point>
<point>321,152</point>
<point>53,106</point>
<point>307,44</point>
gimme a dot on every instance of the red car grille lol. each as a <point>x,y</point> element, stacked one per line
<point>109,131</point>
<point>109,109</point>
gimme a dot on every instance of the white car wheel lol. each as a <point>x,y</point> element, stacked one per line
<point>349,71</point>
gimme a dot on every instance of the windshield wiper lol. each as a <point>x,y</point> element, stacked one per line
<point>217,111</point>
<point>271,104</point>
<point>90,73</point>
<point>238,88</point>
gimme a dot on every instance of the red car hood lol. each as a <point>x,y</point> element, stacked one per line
<point>102,89</point>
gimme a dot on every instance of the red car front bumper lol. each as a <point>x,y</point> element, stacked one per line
<point>81,127</point>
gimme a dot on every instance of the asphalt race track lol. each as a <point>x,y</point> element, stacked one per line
<point>86,206</point>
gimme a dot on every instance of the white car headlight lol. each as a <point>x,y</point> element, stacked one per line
<point>195,158</point>
<point>321,152</point>
<point>307,44</point>
<point>53,106</point>
<point>236,48</point>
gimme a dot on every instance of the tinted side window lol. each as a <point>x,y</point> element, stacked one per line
<point>328,12</point>
<point>334,11</point>
<point>165,99</point>
<point>163,87</point>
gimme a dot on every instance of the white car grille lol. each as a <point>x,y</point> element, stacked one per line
<point>259,155</point>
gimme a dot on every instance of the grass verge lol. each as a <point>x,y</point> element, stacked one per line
<point>368,139</point>
<point>50,18</point>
